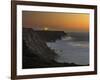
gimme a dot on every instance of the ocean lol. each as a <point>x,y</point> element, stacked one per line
<point>72,48</point>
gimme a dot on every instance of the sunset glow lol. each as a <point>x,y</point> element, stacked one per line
<point>56,21</point>
<point>45,28</point>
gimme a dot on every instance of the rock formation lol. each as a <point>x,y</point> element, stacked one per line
<point>36,53</point>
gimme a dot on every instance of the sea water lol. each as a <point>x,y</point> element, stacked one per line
<point>73,48</point>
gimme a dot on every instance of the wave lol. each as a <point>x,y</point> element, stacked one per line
<point>79,44</point>
<point>76,37</point>
<point>67,38</point>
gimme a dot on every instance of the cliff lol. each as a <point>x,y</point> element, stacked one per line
<point>36,54</point>
<point>50,36</point>
<point>36,44</point>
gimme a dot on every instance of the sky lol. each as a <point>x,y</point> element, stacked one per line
<point>73,22</point>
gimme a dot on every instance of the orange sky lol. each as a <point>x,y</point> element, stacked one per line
<point>56,21</point>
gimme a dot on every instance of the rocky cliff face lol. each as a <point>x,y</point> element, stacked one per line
<point>36,53</point>
<point>37,45</point>
<point>35,48</point>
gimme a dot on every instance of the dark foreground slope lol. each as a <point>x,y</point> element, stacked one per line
<point>36,54</point>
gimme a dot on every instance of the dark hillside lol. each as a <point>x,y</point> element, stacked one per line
<point>36,54</point>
